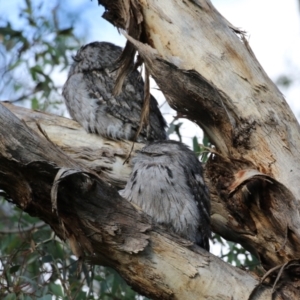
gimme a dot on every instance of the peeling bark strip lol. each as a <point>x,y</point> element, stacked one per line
<point>127,16</point>
<point>208,72</point>
<point>101,225</point>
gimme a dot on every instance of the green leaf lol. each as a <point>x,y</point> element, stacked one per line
<point>8,31</point>
<point>34,103</point>
<point>81,296</point>
<point>196,147</point>
<point>14,269</point>
<point>67,31</point>
<point>56,289</point>
<point>47,258</point>
<point>45,297</point>
<point>284,81</point>
<point>11,296</point>
<point>37,69</point>
<point>206,141</point>
<point>15,64</point>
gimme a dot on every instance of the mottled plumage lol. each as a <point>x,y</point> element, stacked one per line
<point>167,183</point>
<point>90,101</point>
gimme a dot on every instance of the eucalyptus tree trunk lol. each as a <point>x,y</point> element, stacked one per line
<point>204,66</point>
<point>207,71</point>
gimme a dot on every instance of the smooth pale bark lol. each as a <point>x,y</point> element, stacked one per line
<point>98,223</point>
<point>208,72</point>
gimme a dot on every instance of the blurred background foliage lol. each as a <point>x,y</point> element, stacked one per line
<point>34,51</point>
<point>34,263</point>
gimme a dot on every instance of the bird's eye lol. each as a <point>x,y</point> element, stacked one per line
<point>155,154</point>
<point>150,153</point>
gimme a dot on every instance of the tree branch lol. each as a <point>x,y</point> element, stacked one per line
<point>100,225</point>
<point>23,229</point>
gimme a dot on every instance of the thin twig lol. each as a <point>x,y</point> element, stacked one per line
<point>24,229</point>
